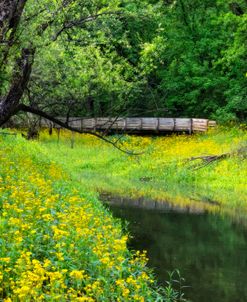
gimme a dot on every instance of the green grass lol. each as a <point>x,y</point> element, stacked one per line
<point>161,172</point>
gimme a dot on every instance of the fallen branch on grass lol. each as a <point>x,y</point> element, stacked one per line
<point>203,161</point>
<point>207,160</point>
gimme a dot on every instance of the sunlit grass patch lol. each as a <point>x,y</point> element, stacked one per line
<point>163,171</point>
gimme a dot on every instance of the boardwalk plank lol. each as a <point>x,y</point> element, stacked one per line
<point>138,124</point>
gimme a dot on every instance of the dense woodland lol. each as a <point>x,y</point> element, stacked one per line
<point>179,58</point>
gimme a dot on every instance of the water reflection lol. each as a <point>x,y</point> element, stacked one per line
<point>210,251</point>
<point>150,204</point>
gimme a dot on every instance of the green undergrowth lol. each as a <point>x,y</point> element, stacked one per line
<point>58,242</point>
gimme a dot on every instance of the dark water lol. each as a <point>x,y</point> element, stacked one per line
<point>210,251</point>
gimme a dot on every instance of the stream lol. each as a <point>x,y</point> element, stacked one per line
<point>209,250</point>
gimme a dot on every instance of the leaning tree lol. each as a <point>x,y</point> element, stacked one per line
<point>27,27</point>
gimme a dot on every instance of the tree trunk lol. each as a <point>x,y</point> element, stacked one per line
<point>9,103</point>
<point>10,15</point>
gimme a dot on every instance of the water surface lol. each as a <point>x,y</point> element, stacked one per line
<point>209,250</point>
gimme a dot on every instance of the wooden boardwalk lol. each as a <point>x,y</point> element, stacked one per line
<point>137,124</point>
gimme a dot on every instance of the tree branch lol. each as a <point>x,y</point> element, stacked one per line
<point>203,161</point>
<point>80,22</point>
<point>207,160</point>
<point>43,114</point>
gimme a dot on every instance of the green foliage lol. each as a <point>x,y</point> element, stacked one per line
<point>90,75</point>
<point>126,57</point>
<point>198,60</point>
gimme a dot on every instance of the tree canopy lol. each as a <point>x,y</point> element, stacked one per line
<point>179,58</point>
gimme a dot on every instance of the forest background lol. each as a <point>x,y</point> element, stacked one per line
<point>97,58</point>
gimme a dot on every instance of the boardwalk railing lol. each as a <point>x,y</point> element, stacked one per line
<point>137,124</point>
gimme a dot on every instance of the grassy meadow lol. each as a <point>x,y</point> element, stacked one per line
<point>58,241</point>
<point>162,172</point>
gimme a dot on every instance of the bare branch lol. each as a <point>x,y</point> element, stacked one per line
<point>80,22</point>
<point>43,114</point>
<point>33,16</point>
<point>207,160</point>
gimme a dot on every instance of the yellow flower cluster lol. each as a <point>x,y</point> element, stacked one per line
<point>57,245</point>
